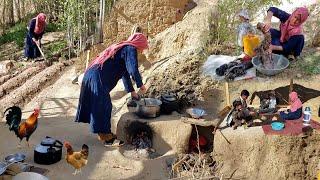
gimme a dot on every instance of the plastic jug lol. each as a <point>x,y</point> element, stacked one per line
<point>250,42</point>
<point>306,116</point>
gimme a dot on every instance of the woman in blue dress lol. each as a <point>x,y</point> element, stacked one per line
<point>289,41</point>
<point>35,32</point>
<point>118,61</point>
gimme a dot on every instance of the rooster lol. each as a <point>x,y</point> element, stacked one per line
<point>21,129</point>
<point>77,159</point>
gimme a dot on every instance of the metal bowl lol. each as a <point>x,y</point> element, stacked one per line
<point>3,167</point>
<point>281,63</point>
<point>196,112</point>
<point>148,108</point>
<point>18,157</point>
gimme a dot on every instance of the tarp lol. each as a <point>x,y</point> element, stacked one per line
<point>291,128</point>
<point>215,61</point>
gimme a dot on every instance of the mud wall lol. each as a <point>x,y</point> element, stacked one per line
<point>253,155</point>
<point>153,16</point>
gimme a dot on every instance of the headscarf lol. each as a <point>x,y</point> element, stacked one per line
<point>244,13</point>
<point>288,30</point>
<point>40,23</point>
<point>138,40</point>
<point>295,102</point>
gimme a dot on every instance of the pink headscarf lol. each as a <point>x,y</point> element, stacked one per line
<point>137,40</point>
<point>288,30</point>
<point>40,23</point>
<point>295,101</point>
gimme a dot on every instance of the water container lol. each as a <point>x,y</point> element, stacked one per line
<point>250,42</point>
<point>307,116</point>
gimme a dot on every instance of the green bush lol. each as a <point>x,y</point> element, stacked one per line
<point>311,64</point>
<point>227,19</point>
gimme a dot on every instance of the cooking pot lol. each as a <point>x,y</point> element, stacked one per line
<point>49,151</point>
<point>148,108</point>
<point>170,103</point>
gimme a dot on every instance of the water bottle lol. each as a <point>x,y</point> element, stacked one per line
<point>306,116</point>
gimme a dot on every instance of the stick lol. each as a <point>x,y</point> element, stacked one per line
<point>227,93</point>
<point>224,137</point>
<point>41,52</point>
<point>176,165</point>
<point>291,87</point>
<point>88,58</point>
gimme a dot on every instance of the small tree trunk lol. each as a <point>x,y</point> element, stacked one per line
<point>11,11</point>
<point>101,20</point>
<point>18,9</point>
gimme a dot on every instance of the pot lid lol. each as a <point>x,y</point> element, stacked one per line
<point>169,97</point>
<point>42,149</point>
<point>48,141</point>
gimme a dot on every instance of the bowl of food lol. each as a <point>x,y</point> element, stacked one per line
<point>196,113</point>
<point>280,64</point>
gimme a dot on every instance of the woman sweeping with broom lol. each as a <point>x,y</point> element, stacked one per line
<point>118,61</point>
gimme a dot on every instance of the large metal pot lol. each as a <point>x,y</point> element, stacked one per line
<point>148,108</point>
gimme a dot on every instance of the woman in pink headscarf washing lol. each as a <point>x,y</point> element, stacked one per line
<point>35,32</point>
<point>289,41</point>
<point>118,61</point>
<point>295,109</point>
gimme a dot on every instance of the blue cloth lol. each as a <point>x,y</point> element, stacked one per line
<point>291,115</point>
<point>94,103</point>
<point>31,50</point>
<point>295,43</point>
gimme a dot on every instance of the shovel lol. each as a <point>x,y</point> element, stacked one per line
<point>48,63</point>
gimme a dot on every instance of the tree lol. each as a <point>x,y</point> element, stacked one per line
<point>101,20</point>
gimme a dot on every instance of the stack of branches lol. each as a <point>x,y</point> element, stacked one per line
<point>194,165</point>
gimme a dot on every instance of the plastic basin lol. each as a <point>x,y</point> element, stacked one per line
<point>277,126</point>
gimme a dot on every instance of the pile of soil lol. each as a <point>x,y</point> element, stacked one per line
<point>181,76</point>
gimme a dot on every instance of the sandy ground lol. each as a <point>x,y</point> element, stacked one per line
<point>58,109</point>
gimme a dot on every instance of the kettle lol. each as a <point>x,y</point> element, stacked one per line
<point>49,151</point>
<point>170,103</point>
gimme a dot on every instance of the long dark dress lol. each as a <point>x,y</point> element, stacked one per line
<point>291,115</point>
<point>31,50</point>
<point>94,102</point>
<point>295,43</point>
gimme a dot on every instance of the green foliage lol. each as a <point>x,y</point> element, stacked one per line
<point>80,20</point>
<point>310,64</point>
<point>227,19</point>
<point>17,33</point>
<point>54,47</point>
